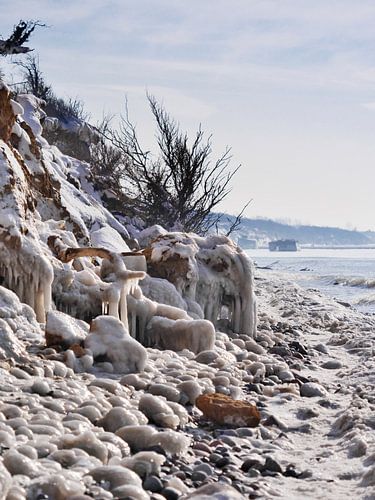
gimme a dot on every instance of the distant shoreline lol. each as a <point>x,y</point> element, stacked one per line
<point>324,247</point>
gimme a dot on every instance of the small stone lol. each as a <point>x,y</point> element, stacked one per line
<point>312,389</point>
<point>272,466</point>
<point>332,364</point>
<point>321,348</point>
<point>245,432</point>
<point>228,440</point>
<point>252,463</point>
<point>40,387</point>
<point>286,376</point>
<point>214,457</point>
<point>153,484</point>
<point>170,493</point>
<point>198,476</point>
<point>297,346</point>
<point>181,475</point>
<point>273,420</point>
<point>202,447</point>
<point>206,468</point>
<point>222,462</point>
<point>254,388</point>
<point>253,473</point>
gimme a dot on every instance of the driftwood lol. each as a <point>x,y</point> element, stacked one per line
<point>66,254</point>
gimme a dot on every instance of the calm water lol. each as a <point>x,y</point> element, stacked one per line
<point>348,275</point>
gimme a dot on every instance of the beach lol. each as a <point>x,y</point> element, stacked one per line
<point>310,373</point>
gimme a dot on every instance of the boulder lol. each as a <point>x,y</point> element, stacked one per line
<point>224,410</point>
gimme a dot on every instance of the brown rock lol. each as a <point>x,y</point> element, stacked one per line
<point>224,410</point>
<point>78,350</point>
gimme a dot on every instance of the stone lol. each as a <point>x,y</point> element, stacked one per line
<point>216,491</point>
<point>171,493</point>
<point>321,348</point>
<point>153,484</point>
<point>198,476</point>
<point>312,389</point>
<point>222,462</point>
<point>272,466</point>
<point>224,410</point>
<point>252,463</point>
<point>332,364</point>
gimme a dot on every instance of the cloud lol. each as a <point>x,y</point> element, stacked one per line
<point>369,105</point>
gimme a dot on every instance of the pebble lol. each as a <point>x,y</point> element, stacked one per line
<point>204,467</point>
<point>40,387</point>
<point>170,493</point>
<point>214,457</point>
<point>222,462</point>
<point>272,466</point>
<point>321,348</point>
<point>286,376</point>
<point>332,364</point>
<point>198,476</point>
<point>153,484</point>
<point>312,389</point>
<point>202,447</point>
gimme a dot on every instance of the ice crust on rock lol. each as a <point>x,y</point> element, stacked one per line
<point>108,337</point>
<point>210,271</point>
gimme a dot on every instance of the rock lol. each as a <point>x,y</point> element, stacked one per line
<point>116,418</point>
<point>64,330</point>
<point>167,391</point>
<point>206,357</point>
<point>332,364</point>
<point>224,410</point>
<point>216,491</point>
<point>115,476</point>
<point>222,462</point>
<point>171,493</point>
<point>153,484</point>
<point>286,376</point>
<point>214,457</point>
<point>40,387</point>
<point>298,347</point>
<point>321,348</point>
<point>198,476</point>
<point>252,463</point>
<point>273,420</point>
<point>204,467</point>
<point>272,466</point>
<point>307,413</point>
<point>312,389</point>
<point>254,388</point>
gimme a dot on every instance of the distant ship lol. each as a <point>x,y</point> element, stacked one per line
<point>283,246</point>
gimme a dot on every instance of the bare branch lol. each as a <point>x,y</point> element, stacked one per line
<point>238,220</point>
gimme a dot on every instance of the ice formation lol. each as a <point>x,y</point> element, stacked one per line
<point>108,337</point>
<point>211,271</point>
<point>180,334</point>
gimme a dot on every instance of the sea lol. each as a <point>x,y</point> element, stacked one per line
<point>347,275</point>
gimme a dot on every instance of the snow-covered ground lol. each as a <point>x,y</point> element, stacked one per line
<point>68,435</point>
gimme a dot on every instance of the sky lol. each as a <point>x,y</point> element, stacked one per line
<point>289,85</point>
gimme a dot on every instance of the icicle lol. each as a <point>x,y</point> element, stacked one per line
<point>123,307</point>
<point>39,306</point>
<point>237,314</point>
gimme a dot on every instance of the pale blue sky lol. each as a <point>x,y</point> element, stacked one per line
<point>288,84</point>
